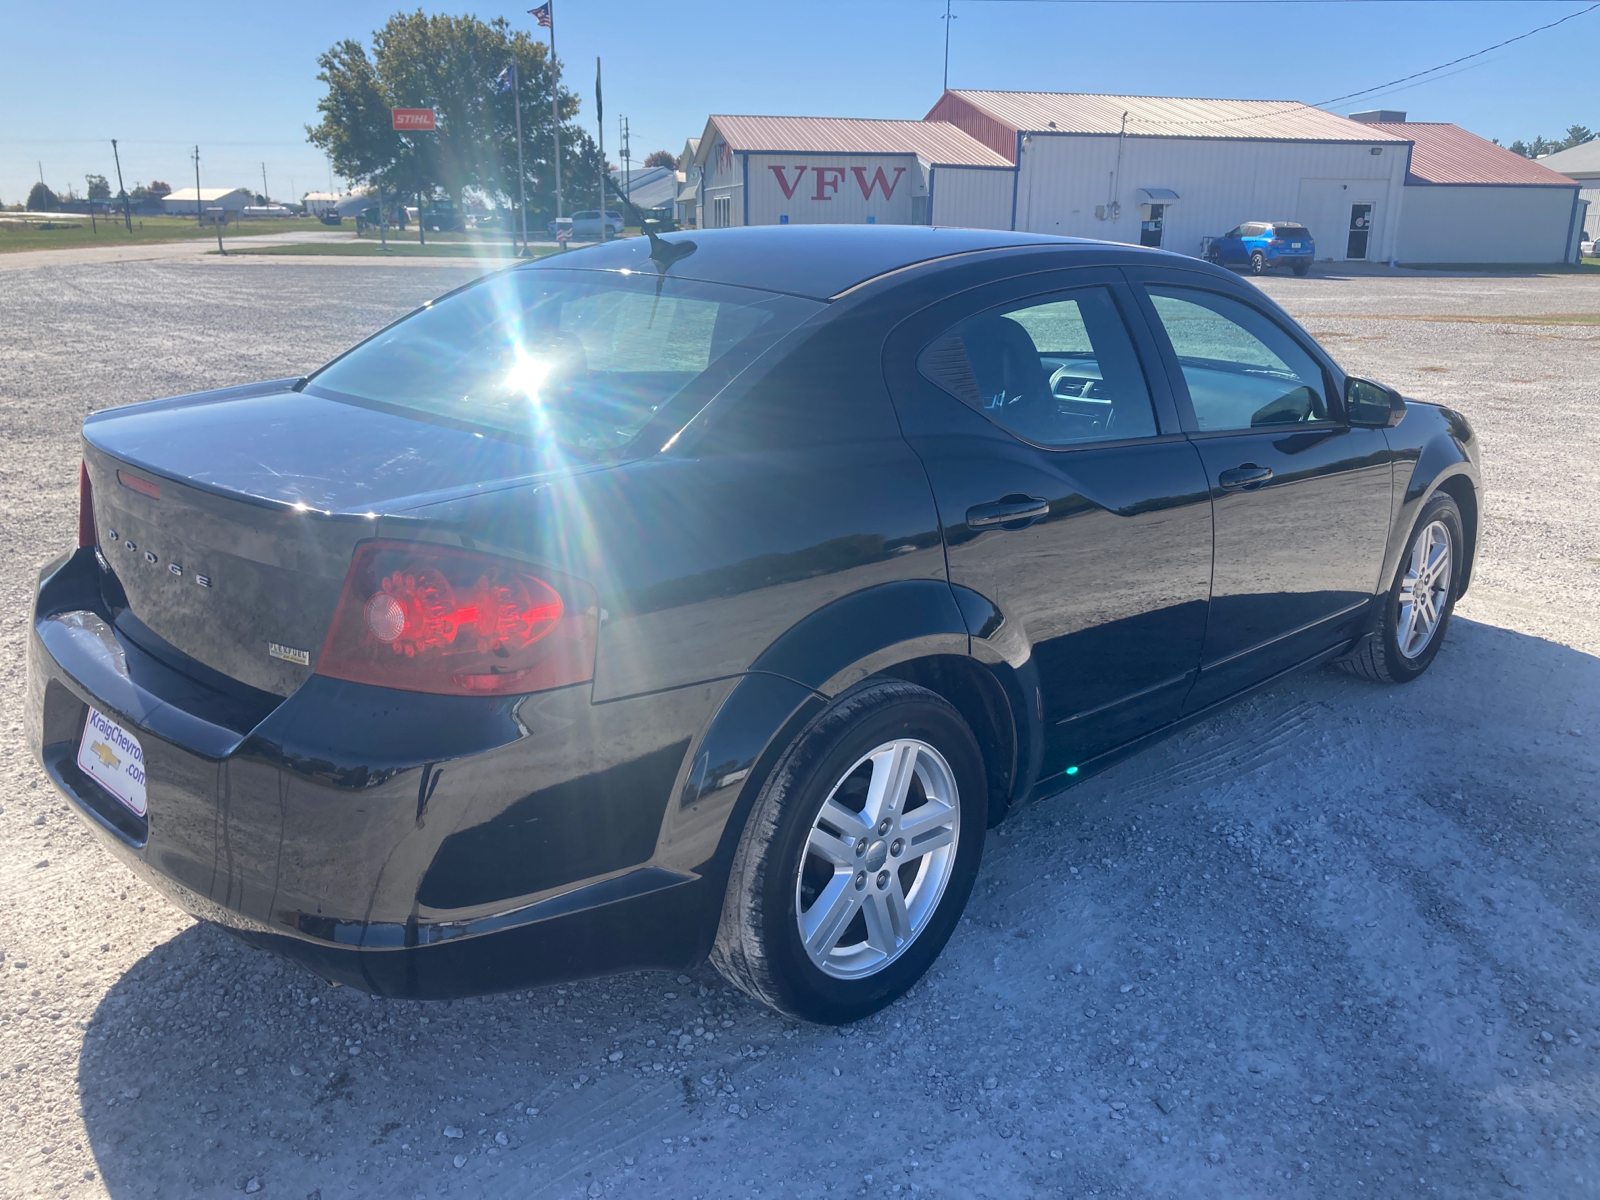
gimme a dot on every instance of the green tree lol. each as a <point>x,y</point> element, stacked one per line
<point>42,199</point>
<point>1577,135</point>
<point>449,64</point>
<point>99,189</point>
<point>661,158</point>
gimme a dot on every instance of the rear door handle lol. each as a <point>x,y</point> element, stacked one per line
<point>1014,510</point>
<point>1245,477</point>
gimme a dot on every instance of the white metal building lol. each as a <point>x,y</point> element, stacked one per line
<point>838,170</point>
<point>182,202</point>
<point>1470,201</point>
<point>1168,171</point>
<point>1581,164</point>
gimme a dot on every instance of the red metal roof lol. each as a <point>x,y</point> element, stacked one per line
<point>935,141</point>
<point>1447,153</point>
<point>1147,116</point>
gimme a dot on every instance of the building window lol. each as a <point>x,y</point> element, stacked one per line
<point>721,212</point>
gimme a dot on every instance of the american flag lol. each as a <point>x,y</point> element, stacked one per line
<point>541,15</point>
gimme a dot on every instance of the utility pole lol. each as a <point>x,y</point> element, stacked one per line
<point>266,196</point>
<point>121,191</point>
<point>522,175</point>
<point>627,159</point>
<point>555,113</point>
<point>948,17</point>
<point>199,214</point>
<point>600,128</point>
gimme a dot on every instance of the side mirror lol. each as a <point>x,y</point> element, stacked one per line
<point>1372,405</point>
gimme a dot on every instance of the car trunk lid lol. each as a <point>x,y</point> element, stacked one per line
<point>230,518</point>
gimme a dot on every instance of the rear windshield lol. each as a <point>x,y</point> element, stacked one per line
<point>578,360</point>
<point>1295,232</point>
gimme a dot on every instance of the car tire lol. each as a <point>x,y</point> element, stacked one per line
<point>806,861</point>
<point>1258,263</point>
<point>1214,257</point>
<point>1398,651</point>
<point>1302,269</point>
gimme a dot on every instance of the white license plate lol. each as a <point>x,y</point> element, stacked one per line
<point>113,758</point>
<point>1295,245</point>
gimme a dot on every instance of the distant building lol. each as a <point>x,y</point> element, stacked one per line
<point>1581,164</point>
<point>182,203</point>
<point>688,208</point>
<point>648,187</point>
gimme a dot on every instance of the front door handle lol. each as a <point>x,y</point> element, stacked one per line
<point>1014,510</point>
<point>1245,477</point>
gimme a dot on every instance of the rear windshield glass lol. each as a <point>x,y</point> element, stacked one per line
<point>577,359</point>
<point>1290,231</point>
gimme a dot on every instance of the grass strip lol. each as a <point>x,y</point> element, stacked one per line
<point>396,249</point>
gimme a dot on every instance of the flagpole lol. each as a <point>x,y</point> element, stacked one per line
<point>600,124</point>
<point>555,101</point>
<point>522,187</point>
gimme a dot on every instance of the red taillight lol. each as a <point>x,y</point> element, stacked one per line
<point>429,618</point>
<point>87,534</point>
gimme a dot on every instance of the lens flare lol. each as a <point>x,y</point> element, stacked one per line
<point>527,374</point>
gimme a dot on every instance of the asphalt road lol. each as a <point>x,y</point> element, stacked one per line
<point>1337,941</point>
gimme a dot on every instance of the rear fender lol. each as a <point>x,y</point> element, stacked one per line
<point>949,639</point>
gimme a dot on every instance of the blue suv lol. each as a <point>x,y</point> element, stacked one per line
<point>1263,244</point>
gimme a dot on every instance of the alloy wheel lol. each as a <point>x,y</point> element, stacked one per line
<point>877,859</point>
<point>1425,590</point>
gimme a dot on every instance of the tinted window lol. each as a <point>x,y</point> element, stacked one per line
<point>1242,369</point>
<point>574,360</point>
<point>1293,232</point>
<point>1058,371</point>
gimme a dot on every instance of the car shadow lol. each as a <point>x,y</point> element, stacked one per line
<point>1333,898</point>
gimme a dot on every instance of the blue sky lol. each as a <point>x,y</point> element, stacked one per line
<point>240,80</point>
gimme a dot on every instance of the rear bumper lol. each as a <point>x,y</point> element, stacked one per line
<point>405,844</point>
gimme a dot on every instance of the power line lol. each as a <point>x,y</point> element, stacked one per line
<point>1462,59</point>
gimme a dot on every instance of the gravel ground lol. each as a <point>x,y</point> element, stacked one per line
<point>1337,941</point>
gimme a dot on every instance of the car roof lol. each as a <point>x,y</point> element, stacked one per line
<point>817,261</point>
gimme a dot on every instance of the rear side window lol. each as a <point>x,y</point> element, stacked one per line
<point>1242,369</point>
<point>575,361</point>
<point>1058,370</point>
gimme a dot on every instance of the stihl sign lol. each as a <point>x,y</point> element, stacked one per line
<point>413,118</point>
<point>825,181</point>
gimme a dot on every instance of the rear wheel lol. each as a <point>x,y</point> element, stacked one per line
<point>1417,609</point>
<point>1258,262</point>
<point>858,858</point>
<point>1302,269</point>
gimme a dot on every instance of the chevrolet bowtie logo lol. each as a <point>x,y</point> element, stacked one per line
<point>103,753</point>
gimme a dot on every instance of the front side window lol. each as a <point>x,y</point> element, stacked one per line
<point>1057,371</point>
<point>575,361</point>
<point>1243,371</point>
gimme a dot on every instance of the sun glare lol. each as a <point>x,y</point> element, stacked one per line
<point>527,374</point>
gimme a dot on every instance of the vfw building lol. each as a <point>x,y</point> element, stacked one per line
<point>1150,170</point>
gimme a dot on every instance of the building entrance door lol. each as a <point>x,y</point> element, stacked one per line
<point>1150,228</point>
<point>1360,231</point>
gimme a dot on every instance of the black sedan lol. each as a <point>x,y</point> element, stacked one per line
<point>685,598</point>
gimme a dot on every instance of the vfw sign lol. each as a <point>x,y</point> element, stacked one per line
<point>828,179</point>
<point>809,189</point>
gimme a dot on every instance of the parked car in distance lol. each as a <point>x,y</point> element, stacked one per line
<point>587,225</point>
<point>711,597</point>
<point>1260,245</point>
<point>442,216</point>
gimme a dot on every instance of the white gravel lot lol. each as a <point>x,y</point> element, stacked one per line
<point>1337,941</point>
